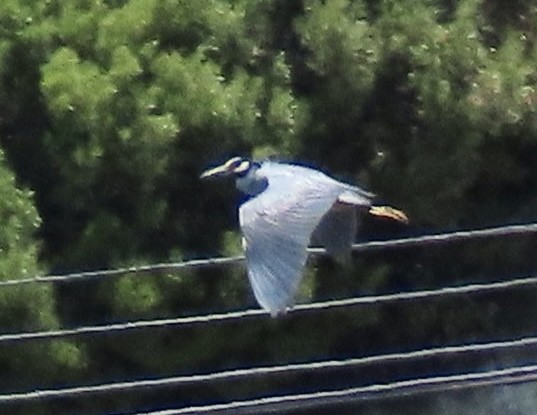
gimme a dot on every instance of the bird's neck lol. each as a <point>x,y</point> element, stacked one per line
<point>252,184</point>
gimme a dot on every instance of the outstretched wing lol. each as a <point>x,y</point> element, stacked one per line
<point>337,228</point>
<point>277,226</point>
<point>336,231</point>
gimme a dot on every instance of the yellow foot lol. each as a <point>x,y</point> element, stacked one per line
<point>389,212</point>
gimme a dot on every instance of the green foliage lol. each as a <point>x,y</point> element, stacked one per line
<point>342,48</point>
<point>26,307</point>
<point>110,110</point>
<point>343,57</point>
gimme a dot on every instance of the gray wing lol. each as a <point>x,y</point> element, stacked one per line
<point>337,228</point>
<point>277,227</point>
<point>336,231</point>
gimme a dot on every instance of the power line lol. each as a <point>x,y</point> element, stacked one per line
<point>210,262</point>
<point>161,267</point>
<point>457,236</point>
<point>237,315</point>
<point>502,376</point>
<point>230,375</point>
<point>507,376</point>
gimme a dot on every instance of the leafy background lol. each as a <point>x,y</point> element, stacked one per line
<point>109,110</point>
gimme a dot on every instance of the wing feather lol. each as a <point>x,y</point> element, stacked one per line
<point>336,231</point>
<point>277,226</point>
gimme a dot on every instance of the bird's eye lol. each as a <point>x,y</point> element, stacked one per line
<point>242,167</point>
<point>233,163</point>
<point>236,163</point>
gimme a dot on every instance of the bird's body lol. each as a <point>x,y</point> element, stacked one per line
<point>289,206</point>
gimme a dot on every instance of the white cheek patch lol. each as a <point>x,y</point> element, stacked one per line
<point>232,161</point>
<point>243,167</point>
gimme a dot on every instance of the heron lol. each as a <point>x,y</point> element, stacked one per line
<point>289,207</point>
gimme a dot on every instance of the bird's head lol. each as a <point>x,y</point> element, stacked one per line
<point>236,166</point>
<point>244,170</point>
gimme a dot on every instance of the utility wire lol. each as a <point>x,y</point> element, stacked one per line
<point>504,376</point>
<point>232,375</point>
<point>279,404</point>
<point>210,262</point>
<point>165,267</point>
<point>238,315</point>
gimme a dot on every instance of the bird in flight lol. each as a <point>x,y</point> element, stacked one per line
<point>289,207</point>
